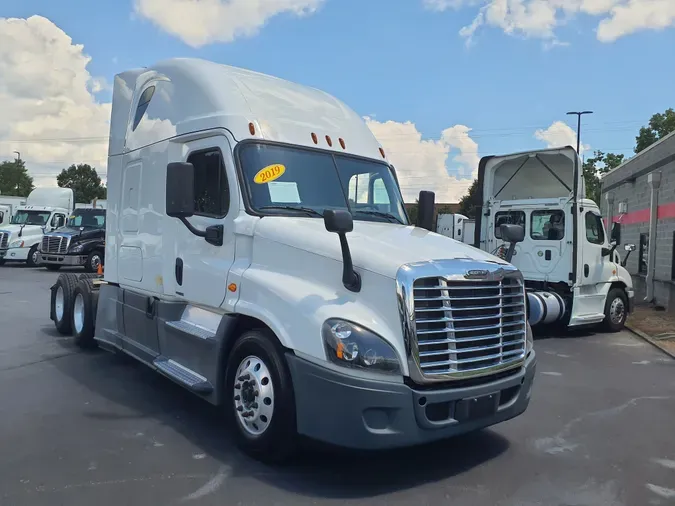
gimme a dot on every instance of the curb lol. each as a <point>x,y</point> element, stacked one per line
<point>651,341</point>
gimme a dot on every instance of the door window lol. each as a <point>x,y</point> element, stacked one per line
<point>595,233</point>
<point>212,194</point>
<point>547,225</point>
<point>508,218</point>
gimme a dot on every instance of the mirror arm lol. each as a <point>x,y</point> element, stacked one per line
<point>212,234</point>
<point>350,278</point>
<point>195,231</point>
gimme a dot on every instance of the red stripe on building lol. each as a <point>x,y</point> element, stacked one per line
<point>642,216</point>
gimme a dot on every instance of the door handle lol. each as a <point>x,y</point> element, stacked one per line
<point>587,269</point>
<point>179,271</point>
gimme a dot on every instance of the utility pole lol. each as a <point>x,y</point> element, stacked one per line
<point>579,115</point>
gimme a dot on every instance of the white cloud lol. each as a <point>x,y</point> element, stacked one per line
<point>540,18</point>
<point>560,134</point>
<point>46,93</point>
<point>421,163</point>
<point>201,22</point>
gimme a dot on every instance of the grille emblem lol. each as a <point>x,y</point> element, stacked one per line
<point>476,274</point>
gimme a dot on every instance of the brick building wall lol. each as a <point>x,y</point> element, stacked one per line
<point>628,184</point>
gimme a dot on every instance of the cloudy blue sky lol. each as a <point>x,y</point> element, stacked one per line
<point>440,82</point>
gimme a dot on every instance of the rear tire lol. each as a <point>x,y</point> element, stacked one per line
<point>94,259</point>
<point>2,262</point>
<point>616,310</point>
<point>52,267</point>
<point>269,432</point>
<point>83,322</point>
<point>33,259</point>
<point>62,303</point>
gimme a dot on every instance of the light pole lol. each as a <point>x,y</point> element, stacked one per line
<point>18,155</point>
<point>579,115</point>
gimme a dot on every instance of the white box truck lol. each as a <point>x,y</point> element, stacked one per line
<point>457,226</point>
<point>572,269</point>
<point>8,205</point>
<point>45,210</point>
<point>243,263</point>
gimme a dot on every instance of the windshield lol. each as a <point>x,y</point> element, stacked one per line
<point>286,180</point>
<point>88,219</point>
<point>31,217</point>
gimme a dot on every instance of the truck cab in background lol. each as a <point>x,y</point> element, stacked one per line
<point>80,243</point>
<point>45,210</point>
<point>572,270</point>
<point>5,215</point>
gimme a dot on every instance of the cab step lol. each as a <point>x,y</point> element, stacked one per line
<point>195,382</point>
<point>191,329</point>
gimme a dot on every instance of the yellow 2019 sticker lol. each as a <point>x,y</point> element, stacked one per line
<point>269,173</point>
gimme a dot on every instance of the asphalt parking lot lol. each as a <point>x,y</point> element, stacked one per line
<point>83,428</point>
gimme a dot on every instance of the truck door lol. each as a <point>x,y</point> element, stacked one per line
<point>592,241</point>
<point>199,269</point>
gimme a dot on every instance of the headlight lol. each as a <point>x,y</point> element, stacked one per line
<point>16,244</point>
<point>76,249</point>
<point>529,338</point>
<point>350,345</point>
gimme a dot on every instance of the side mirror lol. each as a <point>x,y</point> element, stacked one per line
<point>630,247</point>
<point>180,189</point>
<point>512,233</point>
<point>180,201</point>
<point>425,210</point>
<point>616,233</point>
<point>340,222</point>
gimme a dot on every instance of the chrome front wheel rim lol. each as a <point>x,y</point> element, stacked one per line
<point>617,310</point>
<point>254,396</point>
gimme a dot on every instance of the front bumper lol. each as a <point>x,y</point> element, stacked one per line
<point>14,254</point>
<point>70,260</point>
<point>366,414</point>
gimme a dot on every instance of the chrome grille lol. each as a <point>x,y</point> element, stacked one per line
<point>457,327</point>
<point>55,244</point>
<point>4,240</point>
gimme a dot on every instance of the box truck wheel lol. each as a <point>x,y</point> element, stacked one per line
<point>259,398</point>
<point>616,310</point>
<point>33,259</point>
<point>62,302</point>
<point>85,301</point>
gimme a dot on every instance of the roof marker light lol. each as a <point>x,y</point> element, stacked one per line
<point>315,138</point>
<point>251,128</point>
<point>342,143</point>
<point>329,141</point>
<point>382,152</point>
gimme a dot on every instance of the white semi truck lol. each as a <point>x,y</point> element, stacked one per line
<point>243,263</point>
<point>45,210</point>
<point>572,269</point>
<point>455,225</point>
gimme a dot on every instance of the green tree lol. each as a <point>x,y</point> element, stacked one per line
<point>84,181</point>
<point>599,164</point>
<point>470,204</point>
<point>660,125</point>
<point>14,179</point>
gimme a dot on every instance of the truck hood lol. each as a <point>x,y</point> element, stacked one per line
<point>87,233</point>
<point>377,247</point>
<point>542,173</point>
<point>27,230</point>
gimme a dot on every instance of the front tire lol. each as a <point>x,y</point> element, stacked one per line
<point>33,259</point>
<point>259,399</point>
<point>62,303</point>
<point>52,267</point>
<point>85,302</point>
<point>94,259</point>
<point>616,310</point>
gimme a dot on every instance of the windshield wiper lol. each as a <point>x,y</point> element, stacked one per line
<point>388,216</point>
<point>307,210</point>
